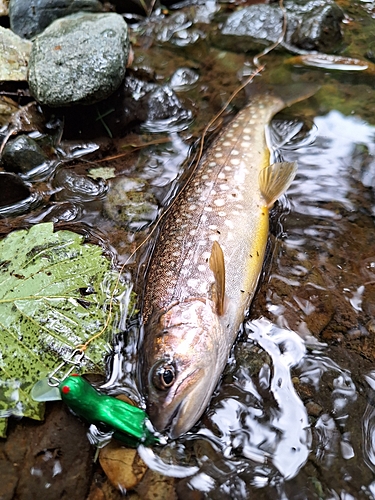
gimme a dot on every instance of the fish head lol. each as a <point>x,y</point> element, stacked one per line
<point>179,364</point>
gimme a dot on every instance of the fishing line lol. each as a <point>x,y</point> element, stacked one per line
<point>259,68</point>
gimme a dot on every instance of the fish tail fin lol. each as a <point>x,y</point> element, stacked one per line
<point>289,94</point>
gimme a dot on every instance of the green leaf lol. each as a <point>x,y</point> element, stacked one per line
<point>55,292</point>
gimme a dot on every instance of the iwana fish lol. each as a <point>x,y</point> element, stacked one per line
<point>206,264</point>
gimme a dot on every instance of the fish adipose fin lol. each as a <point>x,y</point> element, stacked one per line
<point>275,180</point>
<point>217,266</point>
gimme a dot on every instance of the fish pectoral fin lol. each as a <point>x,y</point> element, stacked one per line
<point>275,180</point>
<point>217,266</point>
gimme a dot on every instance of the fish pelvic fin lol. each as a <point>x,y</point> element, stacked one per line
<point>275,180</point>
<point>217,266</point>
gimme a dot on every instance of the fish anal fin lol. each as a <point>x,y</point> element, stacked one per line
<point>275,180</point>
<point>217,266</point>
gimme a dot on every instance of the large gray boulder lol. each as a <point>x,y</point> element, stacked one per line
<point>28,18</point>
<point>79,59</point>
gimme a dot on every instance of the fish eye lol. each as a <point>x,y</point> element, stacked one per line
<point>164,377</point>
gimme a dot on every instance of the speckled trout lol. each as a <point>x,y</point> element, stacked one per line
<point>206,264</point>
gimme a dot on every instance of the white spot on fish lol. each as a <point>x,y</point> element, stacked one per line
<point>206,255</point>
<point>234,152</point>
<point>245,144</point>
<point>205,177</point>
<point>176,254</point>
<point>221,176</point>
<point>218,155</point>
<point>220,202</point>
<point>214,237</point>
<point>208,209</point>
<point>211,164</point>
<point>226,143</point>
<point>235,161</point>
<point>246,137</point>
<point>229,223</point>
<point>227,168</point>
<point>213,227</point>
<point>201,268</point>
<point>224,187</point>
<point>247,130</point>
<point>235,124</point>
<point>203,217</point>
<point>222,214</point>
<point>192,283</point>
<point>193,232</point>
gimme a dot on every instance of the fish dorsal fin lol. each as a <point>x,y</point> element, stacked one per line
<point>217,266</point>
<point>275,180</point>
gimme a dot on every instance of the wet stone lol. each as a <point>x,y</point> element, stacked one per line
<point>128,204</point>
<point>4,7</point>
<point>13,189</point>
<point>313,409</point>
<point>28,18</point>
<point>311,25</point>
<point>22,154</point>
<point>14,56</point>
<point>51,460</point>
<point>79,59</point>
<point>320,28</point>
<point>72,186</point>
<point>183,79</point>
<point>150,102</point>
<point>123,466</point>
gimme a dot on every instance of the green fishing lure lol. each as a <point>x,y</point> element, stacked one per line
<point>128,423</point>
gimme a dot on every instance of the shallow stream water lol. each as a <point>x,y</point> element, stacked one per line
<point>294,414</point>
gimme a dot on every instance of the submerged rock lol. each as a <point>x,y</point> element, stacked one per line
<point>79,59</point>
<point>153,104</point>
<point>28,18</point>
<point>14,56</point>
<point>311,25</point>
<point>74,187</point>
<point>127,203</point>
<point>23,154</point>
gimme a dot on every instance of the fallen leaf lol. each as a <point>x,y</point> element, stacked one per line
<point>54,295</point>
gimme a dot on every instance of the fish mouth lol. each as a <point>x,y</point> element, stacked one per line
<point>183,406</point>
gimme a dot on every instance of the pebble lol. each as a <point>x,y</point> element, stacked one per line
<point>14,56</point>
